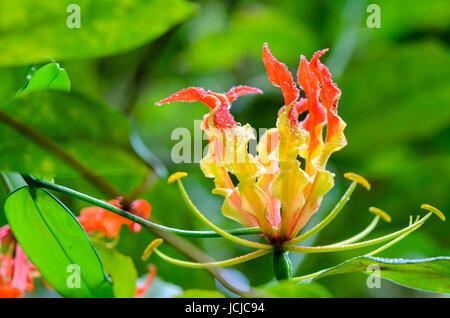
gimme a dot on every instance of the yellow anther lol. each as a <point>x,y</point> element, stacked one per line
<point>151,248</point>
<point>357,178</point>
<point>177,175</point>
<point>434,210</point>
<point>381,213</point>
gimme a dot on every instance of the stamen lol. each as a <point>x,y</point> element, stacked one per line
<point>339,206</point>
<point>434,210</point>
<point>381,213</point>
<point>177,175</point>
<point>228,262</point>
<point>336,248</point>
<point>357,178</point>
<point>214,227</point>
<point>361,234</point>
<point>151,248</point>
<point>394,241</point>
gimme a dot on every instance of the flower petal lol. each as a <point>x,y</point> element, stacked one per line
<point>280,76</point>
<point>315,120</point>
<point>237,91</point>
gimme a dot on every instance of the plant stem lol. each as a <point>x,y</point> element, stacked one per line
<point>146,223</point>
<point>162,231</point>
<point>43,141</point>
<point>282,267</point>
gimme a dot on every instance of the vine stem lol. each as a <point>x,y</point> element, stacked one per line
<point>146,223</point>
<point>48,144</point>
<point>168,234</point>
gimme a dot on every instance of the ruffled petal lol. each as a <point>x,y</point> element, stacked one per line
<point>280,76</point>
<point>316,118</point>
<point>237,91</point>
<point>329,97</point>
<point>190,94</point>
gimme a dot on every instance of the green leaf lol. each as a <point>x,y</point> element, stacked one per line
<point>13,180</point>
<point>431,274</point>
<point>106,27</point>
<point>120,268</point>
<point>56,243</point>
<point>289,289</point>
<point>50,76</point>
<point>91,132</point>
<point>201,293</point>
<point>250,27</point>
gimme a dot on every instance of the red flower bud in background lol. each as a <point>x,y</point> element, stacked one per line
<point>96,219</point>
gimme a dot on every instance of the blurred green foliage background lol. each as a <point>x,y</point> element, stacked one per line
<point>127,55</point>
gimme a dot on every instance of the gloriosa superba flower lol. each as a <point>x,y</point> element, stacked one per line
<point>276,192</point>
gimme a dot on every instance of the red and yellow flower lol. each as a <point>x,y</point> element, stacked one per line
<point>274,191</point>
<point>16,271</point>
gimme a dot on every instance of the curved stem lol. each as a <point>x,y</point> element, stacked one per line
<point>337,248</point>
<point>214,227</point>
<point>228,262</point>
<point>327,219</point>
<point>43,141</point>
<point>132,217</point>
<point>361,234</point>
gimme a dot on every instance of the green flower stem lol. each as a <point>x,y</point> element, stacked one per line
<point>337,248</point>
<point>146,223</point>
<point>282,268</point>
<point>328,218</point>
<point>361,234</point>
<point>229,262</point>
<point>214,227</point>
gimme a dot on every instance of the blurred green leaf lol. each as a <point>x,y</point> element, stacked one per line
<point>431,274</point>
<point>50,76</point>
<point>405,18</point>
<point>394,89</point>
<point>106,27</point>
<point>56,243</point>
<point>289,289</point>
<point>249,28</point>
<point>120,268</point>
<point>90,131</point>
<point>200,293</point>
